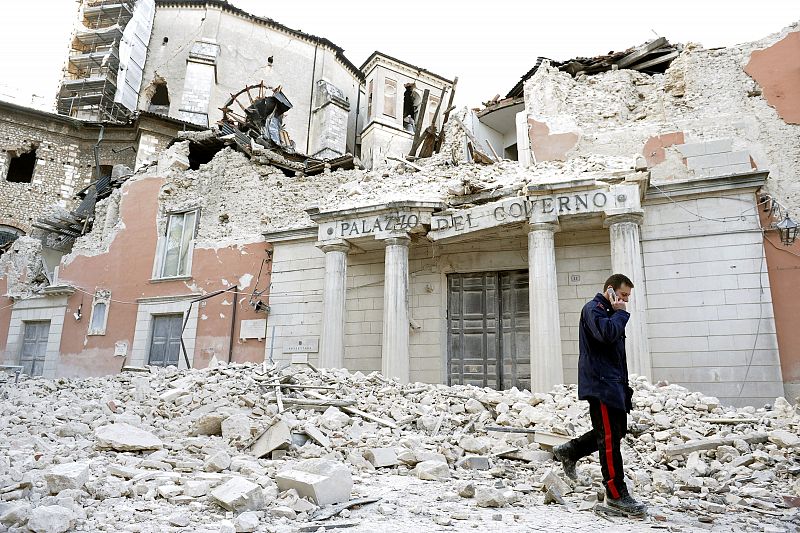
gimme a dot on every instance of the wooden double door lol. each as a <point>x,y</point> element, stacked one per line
<point>488,329</point>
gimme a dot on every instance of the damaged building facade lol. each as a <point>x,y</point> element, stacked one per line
<point>464,267</point>
<point>677,179</point>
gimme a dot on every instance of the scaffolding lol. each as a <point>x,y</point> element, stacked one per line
<point>90,78</point>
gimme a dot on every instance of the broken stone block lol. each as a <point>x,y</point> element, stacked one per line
<point>334,418</point>
<point>283,511</point>
<point>321,480</point>
<point>357,460</point>
<point>317,436</point>
<point>663,482</point>
<point>208,424</point>
<point>479,445</point>
<point>425,455</point>
<point>489,497</point>
<point>432,470</point>
<point>217,462</point>
<point>51,519</point>
<point>15,513</point>
<point>407,456</point>
<point>236,428</point>
<point>474,462</point>
<point>238,494</point>
<point>474,406</point>
<point>467,490</point>
<point>784,439</point>
<point>278,436</point>
<point>381,457</point>
<point>169,491</point>
<point>66,476</point>
<point>553,495</point>
<point>550,479</point>
<point>126,438</point>
<point>179,519</point>
<point>196,488</point>
<point>246,522</point>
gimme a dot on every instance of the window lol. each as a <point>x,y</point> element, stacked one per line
<point>390,97</point>
<point>369,101</point>
<point>97,324</point>
<point>411,101</point>
<point>433,102</point>
<point>159,103</point>
<point>21,167</point>
<point>176,259</point>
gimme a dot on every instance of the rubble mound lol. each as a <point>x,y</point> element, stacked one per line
<point>246,447</point>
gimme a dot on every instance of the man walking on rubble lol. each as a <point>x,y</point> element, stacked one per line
<point>603,381</point>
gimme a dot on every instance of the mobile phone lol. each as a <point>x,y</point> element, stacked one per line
<point>612,296</point>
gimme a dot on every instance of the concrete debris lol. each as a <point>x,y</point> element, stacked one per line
<point>198,452</point>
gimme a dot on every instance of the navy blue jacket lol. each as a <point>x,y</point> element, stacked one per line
<point>602,365</point>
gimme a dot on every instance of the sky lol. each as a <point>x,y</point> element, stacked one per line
<point>488,46</point>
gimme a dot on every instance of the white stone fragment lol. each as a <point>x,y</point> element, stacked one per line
<point>321,480</point>
<point>432,470</point>
<point>246,522</point>
<point>126,438</point>
<point>67,476</point>
<point>238,494</point>
<point>784,438</point>
<point>51,519</point>
<point>381,457</point>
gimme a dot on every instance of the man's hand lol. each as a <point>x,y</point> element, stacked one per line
<point>618,305</point>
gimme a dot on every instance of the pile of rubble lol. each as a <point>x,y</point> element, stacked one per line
<point>291,447</point>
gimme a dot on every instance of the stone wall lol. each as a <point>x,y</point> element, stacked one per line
<point>65,157</point>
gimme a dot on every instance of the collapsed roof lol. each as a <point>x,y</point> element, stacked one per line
<point>652,57</point>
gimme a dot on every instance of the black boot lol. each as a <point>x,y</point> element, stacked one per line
<point>626,504</point>
<point>562,454</point>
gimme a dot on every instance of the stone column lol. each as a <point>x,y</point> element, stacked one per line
<point>547,368</point>
<point>331,345</point>
<point>626,258</point>
<point>394,349</point>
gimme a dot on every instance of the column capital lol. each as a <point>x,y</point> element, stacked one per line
<point>543,226</point>
<point>616,217</point>
<point>397,239</point>
<point>543,221</point>
<point>336,245</point>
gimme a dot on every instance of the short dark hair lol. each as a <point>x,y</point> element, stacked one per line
<point>617,280</point>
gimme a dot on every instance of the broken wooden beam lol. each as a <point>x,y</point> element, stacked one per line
<point>332,402</point>
<point>418,125</point>
<point>407,163</point>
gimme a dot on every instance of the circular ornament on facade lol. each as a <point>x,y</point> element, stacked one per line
<point>330,231</point>
<point>621,198</point>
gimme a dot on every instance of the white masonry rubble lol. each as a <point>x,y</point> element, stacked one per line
<point>418,451</point>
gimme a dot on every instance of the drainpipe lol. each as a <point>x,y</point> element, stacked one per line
<point>356,133</point>
<point>311,99</point>
<point>233,321</point>
<point>96,151</point>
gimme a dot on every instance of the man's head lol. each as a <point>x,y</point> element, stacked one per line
<point>621,284</point>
